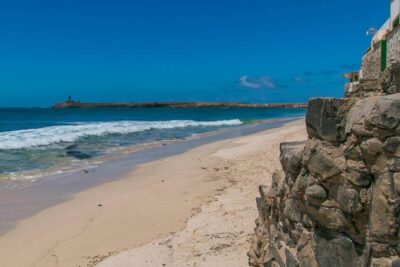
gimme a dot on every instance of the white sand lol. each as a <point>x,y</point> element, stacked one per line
<point>193,209</point>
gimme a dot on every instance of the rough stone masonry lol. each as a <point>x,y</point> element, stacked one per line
<point>337,200</point>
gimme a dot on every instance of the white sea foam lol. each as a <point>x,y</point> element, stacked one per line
<point>70,133</point>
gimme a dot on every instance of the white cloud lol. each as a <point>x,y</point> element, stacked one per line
<point>299,79</point>
<point>258,82</point>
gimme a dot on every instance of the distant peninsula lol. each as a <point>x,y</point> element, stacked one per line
<point>77,104</point>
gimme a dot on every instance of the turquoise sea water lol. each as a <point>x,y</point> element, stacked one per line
<point>36,141</point>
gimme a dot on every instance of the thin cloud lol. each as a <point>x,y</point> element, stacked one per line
<point>258,82</point>
<point>300,79</point>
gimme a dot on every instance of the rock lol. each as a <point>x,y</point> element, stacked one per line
<point>371,149</point>
<point>272,263</point>
<point>364,196</point>
<point>262,208</point>
<point>396,180</point>
<point>277,178</point>
<point>315,194</point>
<point>395,165</point>
<point>324,119</point>
<point>263,191</point>
<point>354,154</point>
<point>348,200</point>
<point>291,211</point>
<point>382,250</point>
<point>391,79</point>
<point>300,185</point>
<point>337,200</point>
<point>372,146</point>
<point>386,113</point>
<point>323,162</point>
<point>291,260</point>
<point>291,157</point>
<point>339,251</point>
<point>392,145</point>
<point>278,183</point>
<point>381,215</point>
<point>306,254</point>
<point>71,147</point>
<point>359,129</point>
<point>357,174</point>
<point>385,262</point>
<point>356,115</point>
<point>329,218</point>
<point>78,154</point>
<point>382,165</point>
<point>395,262</point>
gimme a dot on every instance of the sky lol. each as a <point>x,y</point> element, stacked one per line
<point>181,50</point>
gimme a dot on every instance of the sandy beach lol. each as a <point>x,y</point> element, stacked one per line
<point>194,209</point>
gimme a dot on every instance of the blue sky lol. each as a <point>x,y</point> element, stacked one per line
<point>180,50</point>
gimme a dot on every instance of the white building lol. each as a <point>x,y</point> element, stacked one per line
<point>390,23</point>
<point>384,50</point>
<point>394,12</point>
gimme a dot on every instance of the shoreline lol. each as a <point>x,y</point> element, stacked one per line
<point>30,197</point>
<point>76,231</point>
<point>120,153</point>
<point>219,234</point>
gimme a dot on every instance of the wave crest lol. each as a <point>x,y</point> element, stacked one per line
<point>70,133</point>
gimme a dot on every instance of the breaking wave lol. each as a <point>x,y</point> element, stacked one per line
<point>70,133</point>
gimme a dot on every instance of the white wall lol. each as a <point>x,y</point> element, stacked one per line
<point>385,26</point>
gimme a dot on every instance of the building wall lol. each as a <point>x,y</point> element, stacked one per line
<point>393,46</point>
<point>394,9</point>
<point>381,55</point>
<point>371,63</point>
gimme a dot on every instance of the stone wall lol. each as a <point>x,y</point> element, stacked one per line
<point>337,200</point>
<point>388,83</point>
<point>371,63</point>
<point>372,60</point>
<point>393,46</point>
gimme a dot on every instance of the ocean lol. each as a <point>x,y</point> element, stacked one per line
<point>40,141</point>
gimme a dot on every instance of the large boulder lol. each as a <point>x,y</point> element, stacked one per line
<point>386,113</point>
<point>325,119</point>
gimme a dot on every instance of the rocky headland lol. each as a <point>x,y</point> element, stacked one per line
<point>337,200</point>
<point>78,104</point>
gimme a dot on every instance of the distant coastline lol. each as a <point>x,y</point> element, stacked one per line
<point>78,104</point>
